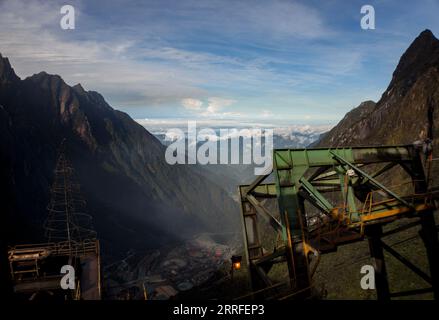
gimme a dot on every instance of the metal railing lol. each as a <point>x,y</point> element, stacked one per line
<point>64,248</point>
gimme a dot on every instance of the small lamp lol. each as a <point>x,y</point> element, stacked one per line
<point>236,262</point>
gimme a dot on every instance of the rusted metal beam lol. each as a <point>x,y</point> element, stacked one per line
<point>265,213</point>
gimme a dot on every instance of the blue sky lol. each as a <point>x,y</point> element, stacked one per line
<point>298,62</point>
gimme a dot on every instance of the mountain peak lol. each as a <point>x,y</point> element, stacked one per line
<point>79,89</point>
<point>426,34</point>
<point>424,43</point>
<point>7,73</point>
<point>47,80</point>
<point>43,75</point>
<point>422,54</point>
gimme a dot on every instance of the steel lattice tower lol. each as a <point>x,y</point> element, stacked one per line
<point>67,218</point>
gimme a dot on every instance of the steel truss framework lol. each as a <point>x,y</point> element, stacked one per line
<point>307,179</point>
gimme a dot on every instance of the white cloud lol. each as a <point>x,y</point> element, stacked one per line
<point>214,109</point>
<point>216,104</point>
<point>192,104</point>
<point>161,125</point>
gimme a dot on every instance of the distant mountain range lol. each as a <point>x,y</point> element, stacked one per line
<point>136,199</point>
<point>283,137</point>
<point>231,175</point>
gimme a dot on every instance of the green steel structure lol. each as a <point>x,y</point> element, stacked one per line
<point>328,197</point>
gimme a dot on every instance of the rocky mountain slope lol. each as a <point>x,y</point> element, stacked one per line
<point>407,109</point>
<point>136,199</point>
